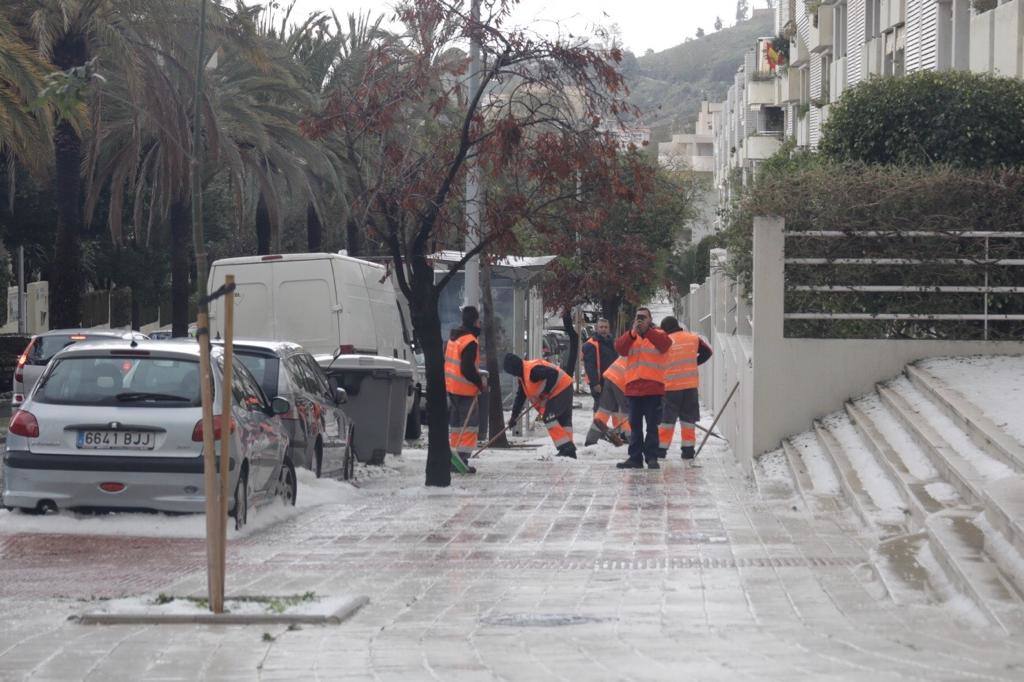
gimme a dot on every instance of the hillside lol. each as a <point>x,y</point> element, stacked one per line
<point>668,86</point>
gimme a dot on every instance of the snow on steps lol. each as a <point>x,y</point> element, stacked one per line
<point>918,447</point>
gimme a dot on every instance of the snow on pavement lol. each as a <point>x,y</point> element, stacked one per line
<point>818,467</point>
<point>877,484</point>
<point>915,459</point>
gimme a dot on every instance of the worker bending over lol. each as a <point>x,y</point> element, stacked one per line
<point>682,402</point>
<point>549,390</point>
<point>613,407</point>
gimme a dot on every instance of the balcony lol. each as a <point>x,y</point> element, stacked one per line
<point>819,35</point>
<point>787,86</point>
<point>836,79</point>
<point>762,145</point>
<point>871,62</point>
<point>893,13</point>
<point>761,91</point>
<point>997,40</point>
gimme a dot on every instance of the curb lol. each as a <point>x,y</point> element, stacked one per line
<point>346,611</point>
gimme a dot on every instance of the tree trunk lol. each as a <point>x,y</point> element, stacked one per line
<point>262,227</point>
<point>181,240</point>
<point>314,229</point>
<point>610,311</point>
<point>66,277</point>
<point>495,411</point>
<point>354,239</point>
<point>427,323</point>
<point>66,273</point>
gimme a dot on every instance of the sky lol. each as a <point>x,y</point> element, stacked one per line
<point>644,24</point>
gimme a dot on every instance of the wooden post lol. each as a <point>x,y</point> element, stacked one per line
<point>210,488</point>
<point>225,438</point>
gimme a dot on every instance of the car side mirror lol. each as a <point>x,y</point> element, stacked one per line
<point>340,396</point>
<point>280,405</point>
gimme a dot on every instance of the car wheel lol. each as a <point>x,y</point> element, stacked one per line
<point>33,511</point>
<point>288,484</point>
<point>318,459</point>
<point>241,511</point>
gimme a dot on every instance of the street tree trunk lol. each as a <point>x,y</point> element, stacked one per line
<point>66,277</point>
<point>314,230</point>
<point>180,243</point>
<point>426,322</point>
<point>262,227</point>
<point>495,411</point>
<point>354,239</point>
<point>610,311</point>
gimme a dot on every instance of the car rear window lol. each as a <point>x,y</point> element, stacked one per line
<point>264,367</point>
<point>121,381</point>
<point>45,347</point>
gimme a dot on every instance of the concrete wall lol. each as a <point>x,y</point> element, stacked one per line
<point>787,383</point>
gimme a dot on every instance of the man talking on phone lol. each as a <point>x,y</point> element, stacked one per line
<point>644,346</point>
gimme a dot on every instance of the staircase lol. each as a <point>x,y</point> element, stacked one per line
<point>938,486</point>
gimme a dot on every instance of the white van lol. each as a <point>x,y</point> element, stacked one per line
<point>320,301</point>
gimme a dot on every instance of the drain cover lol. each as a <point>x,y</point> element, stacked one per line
<point>541,620</point>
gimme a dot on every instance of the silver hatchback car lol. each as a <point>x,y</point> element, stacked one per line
<point>44,346</point>
<point>118,425</point>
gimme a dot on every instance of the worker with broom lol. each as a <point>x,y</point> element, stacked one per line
<point>464,384</point>
<point>613,407</point>
<point>549,390</point>
<point>681,402</point>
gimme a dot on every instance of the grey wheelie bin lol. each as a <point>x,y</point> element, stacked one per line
<point>378,388</point>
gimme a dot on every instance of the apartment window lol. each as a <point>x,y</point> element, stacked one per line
<point>872,18</point>
<point>894,49</point>
<point>826,78</point>
<point>839,30</point>
<point>773,120</point>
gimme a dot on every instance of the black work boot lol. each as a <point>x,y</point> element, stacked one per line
<point>689,453</point>
<point>652,463</point>
<point>567,450</point>
<point>630,464</point>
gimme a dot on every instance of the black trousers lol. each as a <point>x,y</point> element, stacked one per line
<point>597,397</point>
<point>643,444</point>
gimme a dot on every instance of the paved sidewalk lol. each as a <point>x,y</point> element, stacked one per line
<point>535,568</point>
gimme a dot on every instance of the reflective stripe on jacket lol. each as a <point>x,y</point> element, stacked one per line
<point>645,363</point>
<point>681,361</point>
<point>454,382</point>
<point>616,373</point>
<point>533,389</point>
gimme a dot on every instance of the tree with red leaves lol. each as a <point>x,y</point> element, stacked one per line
<point>625,258</point>
<point>534,129</point>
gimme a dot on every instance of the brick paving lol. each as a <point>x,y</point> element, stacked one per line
<point>533,569</point>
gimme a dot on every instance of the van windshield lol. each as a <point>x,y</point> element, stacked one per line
<point>121,381</point>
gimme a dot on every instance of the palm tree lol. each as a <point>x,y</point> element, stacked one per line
<point>25,135</point>
<point>68,33</point>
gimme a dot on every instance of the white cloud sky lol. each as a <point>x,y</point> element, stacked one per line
<point>654,24</point>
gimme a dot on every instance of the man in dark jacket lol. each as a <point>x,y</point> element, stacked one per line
<point>549,389</point>
<point>598,355</point>
<point>464,384</point>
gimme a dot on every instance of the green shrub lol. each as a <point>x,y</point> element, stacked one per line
<point>962,119</point>
<point>814,194</point>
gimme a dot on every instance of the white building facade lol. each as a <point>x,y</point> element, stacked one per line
<point>835,44</point>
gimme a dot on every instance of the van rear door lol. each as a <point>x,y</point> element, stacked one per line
<point>357,327</point>
<point>304,304</point>
<point>254,317</point>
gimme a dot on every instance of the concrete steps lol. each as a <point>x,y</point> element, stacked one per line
<point>957,476</point>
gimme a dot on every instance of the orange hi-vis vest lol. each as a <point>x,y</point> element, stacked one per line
<point>592,341</point>
<point>616,373</point>
<point>533,389</point>
<point>681,361</point>
<point>645,362</point>
<point>454,382</point>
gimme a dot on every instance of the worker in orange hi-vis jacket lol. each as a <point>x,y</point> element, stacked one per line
<point>613,407</point>
<point>464,383</point>
<point>549,390</point>
<point>682,403</point>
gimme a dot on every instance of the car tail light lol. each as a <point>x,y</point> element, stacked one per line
<point>197,432</point>
<point>275,257</point>
<point>346,349</point>
<point>24,424</point>
<point>19,374</point>
<point>111,487</point>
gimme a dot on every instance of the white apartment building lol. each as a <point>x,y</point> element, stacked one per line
<point>693,151</point>
<point>835,44</point>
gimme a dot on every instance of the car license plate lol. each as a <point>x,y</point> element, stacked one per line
<point>116,440</point>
